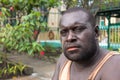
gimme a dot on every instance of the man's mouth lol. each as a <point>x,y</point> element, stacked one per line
<point>72,48</point>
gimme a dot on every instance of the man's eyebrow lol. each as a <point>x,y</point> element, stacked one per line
<point>62,28</point>
<point>79,24</point>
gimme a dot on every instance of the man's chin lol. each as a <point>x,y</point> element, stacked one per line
<point>73,59</point>
<point>72,56</point>
<point>77,57</point>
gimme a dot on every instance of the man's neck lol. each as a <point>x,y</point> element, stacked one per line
<point>93,61</point>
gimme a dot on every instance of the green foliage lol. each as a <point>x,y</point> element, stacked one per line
<point>20,38</point>
<point>52,51</point>
<point>8,68</point>
<point>31,48</point>
<point>33,20</point>
<point>4,14</point>
<point>12,70</point>
<point>20,68</point>
<point>71,3</point>
<point>93,5</point>
<point>28,5</point>
<point>119,50</point>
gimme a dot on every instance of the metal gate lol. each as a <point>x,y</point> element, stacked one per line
<point>113,37</point>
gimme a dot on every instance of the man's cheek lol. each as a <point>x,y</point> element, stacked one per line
<point>62,42</point>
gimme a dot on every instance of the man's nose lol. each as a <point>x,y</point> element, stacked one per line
<point>71,37</point>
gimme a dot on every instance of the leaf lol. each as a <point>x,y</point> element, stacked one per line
<point>21,49</point>
<point>34,44</point>
<point>30,52</point>
<point>41,47</point>
<point>20,67</point>
<point>11,1</point>
<point>1,61</point>
<point>15,70</point>
<point>4,70</point>
<point>16,47</point>
<point>38,48</point>
<point>3,39</point>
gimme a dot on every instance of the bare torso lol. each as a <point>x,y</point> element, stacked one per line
<point>109,71</point>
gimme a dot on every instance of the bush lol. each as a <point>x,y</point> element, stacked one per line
<point>20,38</point>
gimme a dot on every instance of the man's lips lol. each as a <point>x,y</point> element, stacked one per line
<point>72,48</point>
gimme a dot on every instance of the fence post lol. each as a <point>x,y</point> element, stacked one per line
<point>108,32</point>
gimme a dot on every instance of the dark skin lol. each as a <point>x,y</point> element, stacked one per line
<point>80,45</point>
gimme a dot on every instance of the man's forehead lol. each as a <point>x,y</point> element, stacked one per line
<point>74,17</point>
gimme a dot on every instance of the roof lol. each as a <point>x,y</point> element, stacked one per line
<point>113,12</point>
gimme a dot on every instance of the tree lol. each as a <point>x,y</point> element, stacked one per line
<point>29,8</point>
<point>18,37</point>
<point>30,15</point>
<point>92,5</point>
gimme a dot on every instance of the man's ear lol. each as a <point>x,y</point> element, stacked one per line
<point>96,29</point>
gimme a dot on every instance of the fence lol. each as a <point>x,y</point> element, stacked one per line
<point>114,36</point>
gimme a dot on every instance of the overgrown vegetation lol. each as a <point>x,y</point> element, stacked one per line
<point>93,5</point>
<point>20,38</point>
<point>9,68</point>
<point>50,53</point>
<point>19,21</point>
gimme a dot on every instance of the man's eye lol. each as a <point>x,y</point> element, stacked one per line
<point>63,32</point>
<point>79,29</point>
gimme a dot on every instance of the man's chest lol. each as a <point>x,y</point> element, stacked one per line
<point>83,75</point>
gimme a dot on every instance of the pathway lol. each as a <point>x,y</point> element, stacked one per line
<point>43,70</point>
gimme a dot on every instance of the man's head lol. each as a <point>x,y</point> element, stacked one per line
<point>78,34</point>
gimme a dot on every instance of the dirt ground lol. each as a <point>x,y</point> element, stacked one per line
<point>43,70</point>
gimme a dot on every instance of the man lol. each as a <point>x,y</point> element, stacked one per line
<point>82,58</point>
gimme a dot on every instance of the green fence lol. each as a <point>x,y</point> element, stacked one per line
<point>114,36</point>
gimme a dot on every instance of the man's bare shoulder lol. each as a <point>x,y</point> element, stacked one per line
<point>111,68</point>
<point>115,59</point>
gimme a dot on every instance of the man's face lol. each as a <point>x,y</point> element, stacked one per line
<point>77,36</point>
